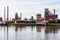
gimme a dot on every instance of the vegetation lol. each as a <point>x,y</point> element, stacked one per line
<point>54,21</point>
<point>23,24</point>
<point>30,22</point>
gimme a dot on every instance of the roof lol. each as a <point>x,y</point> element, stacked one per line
<point>38,14</point>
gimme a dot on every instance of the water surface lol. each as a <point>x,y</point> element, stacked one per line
<point>29,33</point>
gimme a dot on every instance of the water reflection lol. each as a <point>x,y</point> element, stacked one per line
<point>32,27</point>
<point>51,33</point>
<point>51,29</point>
<point>4,33</point>
<point>29,32</point>
<point>38,28</point>
<point>19,28</point>
<point>7,32</point>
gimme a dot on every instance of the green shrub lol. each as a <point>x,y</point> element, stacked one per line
<point>54,21</point>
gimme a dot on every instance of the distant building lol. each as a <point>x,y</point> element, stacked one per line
<point>13,19</point>
<point>46,13</point>
<point>16,16</point>
<point>31,19</point>
<point>20,21</point>
<point>38,17</point>
<point>38,20</point>
<point>0,18</point>
<point>25,19</point>
<point>20,16</point>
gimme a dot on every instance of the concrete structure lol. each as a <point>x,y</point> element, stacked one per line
<point>4,13</point>
<point>6,19</point>
<point>38,20</point>
<point>7,13</point>
<point>38,17</point>
<point>20,16</point>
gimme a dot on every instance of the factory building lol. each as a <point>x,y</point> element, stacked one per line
<point>40,19</point>
<point>49,15</point>
<point>16,16</point>
<point>32,19</point>
<point>0,18</point>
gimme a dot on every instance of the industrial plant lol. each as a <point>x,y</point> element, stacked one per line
<point>48,15</point>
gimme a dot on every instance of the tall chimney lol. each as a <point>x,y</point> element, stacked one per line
<point>4,13</point>
<point>54,11</point>
<point>7,13</point>
<point>21,15</point>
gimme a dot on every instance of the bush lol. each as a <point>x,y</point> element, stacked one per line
<point>58,20</point>
<point>54,21</point>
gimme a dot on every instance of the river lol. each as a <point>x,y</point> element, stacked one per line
<point>29,33</point>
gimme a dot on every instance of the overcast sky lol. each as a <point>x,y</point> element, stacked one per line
<point>29,7</point>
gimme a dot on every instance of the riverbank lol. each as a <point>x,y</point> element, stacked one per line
<point>27,24</point>
<point>54,24</point>
<point>30,24</point>
<point>34,24</point>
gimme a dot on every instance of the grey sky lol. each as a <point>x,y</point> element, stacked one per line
<point>28,7</point>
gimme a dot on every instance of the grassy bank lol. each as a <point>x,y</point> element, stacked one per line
<point>22,24</point>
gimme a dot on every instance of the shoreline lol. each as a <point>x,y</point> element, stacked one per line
<point>30,24</point>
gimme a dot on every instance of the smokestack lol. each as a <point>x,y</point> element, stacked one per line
<point>54,11</point>
<point>21,15</point>
<point>7,13</point>
<point>4,13</point>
